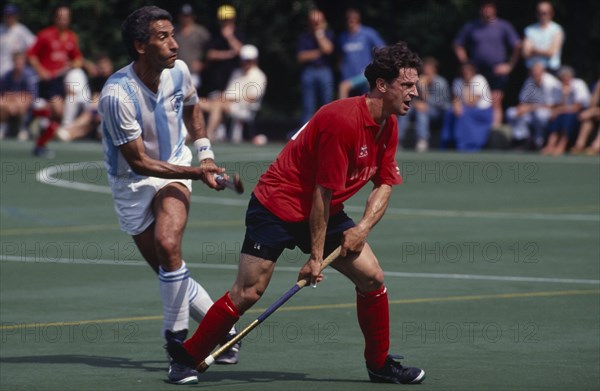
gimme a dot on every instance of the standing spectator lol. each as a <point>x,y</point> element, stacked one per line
<point>54,53</point>
<point>493,46</point>
<point>535,106</point>
<point>544,40</point>
<point>315,48</point>
<point>192,39</point>
<point>469,121</point>
<point>356,45</point>
<point>242,97</point>
<point>589,119</point>
<point>222,54</point>
<point>14,37</point>
<point>571,99</point>
<point>428,107</point>
<point>18,89</point>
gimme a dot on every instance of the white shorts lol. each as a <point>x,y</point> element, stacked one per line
<point>133,198</point>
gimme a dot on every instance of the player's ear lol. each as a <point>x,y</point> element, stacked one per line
<point>381,85</point>
<point>140,47</point>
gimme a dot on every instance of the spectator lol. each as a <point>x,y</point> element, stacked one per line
<point>493,46</point>
<point>222,55</point>
<point>18,89</point>
<point>315,48</point>
<point>356,44</point>
<point>571,99</point>
<point>242,97</point>
<point>87,121</point>
<point>192,39</point>
<point>590,119</point>
<point>54,53</point>
<point>14,37</point>
<point>530,118</point>
<point>428,107</point>
<point>468,123</point>
<point>544,40</point>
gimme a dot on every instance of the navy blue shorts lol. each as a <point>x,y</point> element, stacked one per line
<point>49,89</point>
<point>267,235</point>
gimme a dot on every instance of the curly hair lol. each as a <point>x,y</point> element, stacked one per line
<point>136,26</point>
<point>388,60</point>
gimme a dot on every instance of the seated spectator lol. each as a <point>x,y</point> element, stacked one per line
<point>242,98</point>
<point>531,116</point>
<point>356,45</point>
<point>86,122</point>
<point>589,119</point>
<point>18,89</point>
<point>571,99</point>
<point>428,107</point>
<point>467,124</point>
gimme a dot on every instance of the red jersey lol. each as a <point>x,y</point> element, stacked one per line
<point>336,149</point>
<point>54,49</point>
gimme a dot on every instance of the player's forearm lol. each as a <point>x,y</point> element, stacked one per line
<point>376,206</point>
<point>157,168</point>
<point>308,55</point>
<point>461,54</point>
<point>194,121</point>
<point>319,217</point>
<point>516,53</point>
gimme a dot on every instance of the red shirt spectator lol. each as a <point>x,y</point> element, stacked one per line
<point>55,49</point>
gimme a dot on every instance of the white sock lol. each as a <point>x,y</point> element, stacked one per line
<point>174,290</point>
<point>200,302</point>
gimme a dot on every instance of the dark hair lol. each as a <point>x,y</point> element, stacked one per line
<point>136,26</point>
<point>388,60</point>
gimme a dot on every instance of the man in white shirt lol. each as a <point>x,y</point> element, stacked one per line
<point>148,108</point>
<point>243,95</point>
<point>14,38</point>
<point>536,99</point>
<point>543,40</point>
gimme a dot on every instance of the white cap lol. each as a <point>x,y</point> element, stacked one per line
<point>248,52</point>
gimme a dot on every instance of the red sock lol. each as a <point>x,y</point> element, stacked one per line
<point>47,134</point>
<point>213,329</point>
<point>373,313</point>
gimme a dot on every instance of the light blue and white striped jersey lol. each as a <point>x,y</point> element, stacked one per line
<point>129,110</point>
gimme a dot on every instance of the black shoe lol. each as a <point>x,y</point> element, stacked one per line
<point>231,356</point>
<point>181,364</point>
<point>44,152</point>
<point>393,372</point>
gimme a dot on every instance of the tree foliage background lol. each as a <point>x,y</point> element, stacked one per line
<point>428,26</point>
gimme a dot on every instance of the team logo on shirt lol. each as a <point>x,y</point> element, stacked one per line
<point>364,152</point>
<point>176,101</point>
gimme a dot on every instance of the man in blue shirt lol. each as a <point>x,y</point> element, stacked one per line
<point>315,48</point>
<point>18,89</point>
<point>493,46</point>
<point>356,45</point>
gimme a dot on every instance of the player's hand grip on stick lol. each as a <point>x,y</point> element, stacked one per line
<point>233,183</point>
<point>208,361</point>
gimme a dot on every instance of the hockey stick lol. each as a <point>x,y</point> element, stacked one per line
<point>233,183</point>
<point>208,361</point>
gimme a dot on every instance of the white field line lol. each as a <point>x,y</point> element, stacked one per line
<point>48,176</point>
